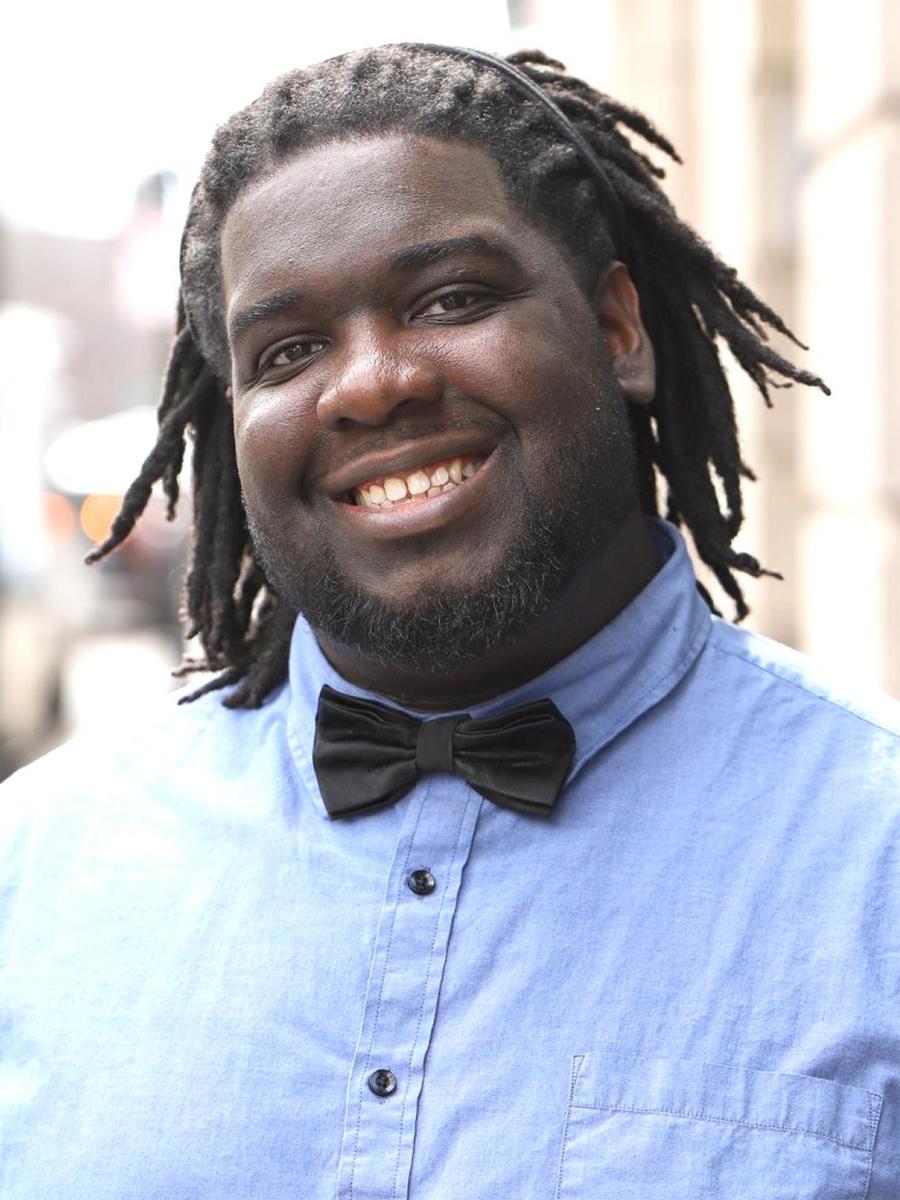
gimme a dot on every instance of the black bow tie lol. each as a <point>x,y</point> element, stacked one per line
<point>368,755</point>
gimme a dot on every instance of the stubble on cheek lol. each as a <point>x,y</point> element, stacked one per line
<point>566,514</point>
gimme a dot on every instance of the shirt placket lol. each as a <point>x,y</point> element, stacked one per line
<point>402,994</point>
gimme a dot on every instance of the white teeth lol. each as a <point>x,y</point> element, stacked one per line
<point>394,489</point>
<point>418,483</point>
<point>423,482</point>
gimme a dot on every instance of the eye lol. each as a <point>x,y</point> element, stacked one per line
<point>288,354</point>
<point>460,300</point>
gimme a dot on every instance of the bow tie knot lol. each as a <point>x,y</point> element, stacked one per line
<point>434,746</point>
<point>367,755</point>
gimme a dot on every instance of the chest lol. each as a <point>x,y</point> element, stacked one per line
<point>448,999</point>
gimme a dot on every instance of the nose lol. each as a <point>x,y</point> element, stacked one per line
<point>376,374</point>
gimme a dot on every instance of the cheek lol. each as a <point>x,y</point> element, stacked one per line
<point>271,439</point>
<point>515,365</point>
<point>552,376</point>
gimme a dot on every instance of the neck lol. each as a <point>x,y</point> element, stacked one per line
<point>600,591</point>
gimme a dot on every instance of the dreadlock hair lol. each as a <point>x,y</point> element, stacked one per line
<point>689,299</point>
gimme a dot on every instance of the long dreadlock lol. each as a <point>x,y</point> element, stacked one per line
<point>689,298</point>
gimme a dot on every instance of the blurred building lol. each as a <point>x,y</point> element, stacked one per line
<point>85,325</point>
<point>786,115</point>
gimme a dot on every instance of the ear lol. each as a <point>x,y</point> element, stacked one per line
<point>618,310</point>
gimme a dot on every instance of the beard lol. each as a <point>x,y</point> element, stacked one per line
<point>558,532</point>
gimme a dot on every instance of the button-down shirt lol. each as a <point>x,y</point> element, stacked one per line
<point>684,983</point>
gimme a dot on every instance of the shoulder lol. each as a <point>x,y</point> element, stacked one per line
<point>151,755</point>
<point>776,715</point>
<point>795,681</point>
<point>792,762</point>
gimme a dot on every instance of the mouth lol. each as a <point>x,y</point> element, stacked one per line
<point>422,483</point>
<point>417,491</point>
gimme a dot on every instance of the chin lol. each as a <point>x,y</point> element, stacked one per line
<point>435,615</point>
<point>436,627</point>
<point>407,593</point>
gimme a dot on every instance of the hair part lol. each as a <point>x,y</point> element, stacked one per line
<point>690,300</point>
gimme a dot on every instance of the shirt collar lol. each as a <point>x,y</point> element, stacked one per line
<point>601,688</point>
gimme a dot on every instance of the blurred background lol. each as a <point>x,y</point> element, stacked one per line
<point>786,113</point>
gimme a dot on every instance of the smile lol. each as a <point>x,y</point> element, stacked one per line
<point>421,506</point>
<point>422,483</point>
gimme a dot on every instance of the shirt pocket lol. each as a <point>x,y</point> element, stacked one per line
<point>674,1130</point>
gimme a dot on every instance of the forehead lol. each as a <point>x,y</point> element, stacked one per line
<point>349,201</point>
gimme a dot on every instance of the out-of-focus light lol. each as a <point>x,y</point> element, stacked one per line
<point>97,514</point>
<point>34,343</point>
<point>101,456</point>
<point>120,122</point>
<point>59,517</point>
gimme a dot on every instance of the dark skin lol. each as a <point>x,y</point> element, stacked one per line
<point>357,355</point>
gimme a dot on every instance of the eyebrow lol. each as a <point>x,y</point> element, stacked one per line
<point>413,257</point>
<point>261,310</point>
<point>410,258</point>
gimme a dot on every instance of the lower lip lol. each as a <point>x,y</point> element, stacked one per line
<point>422,515</point>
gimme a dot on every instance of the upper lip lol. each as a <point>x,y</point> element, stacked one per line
<point>402,459</point>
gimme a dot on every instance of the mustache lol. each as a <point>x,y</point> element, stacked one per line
<point>330,457</point>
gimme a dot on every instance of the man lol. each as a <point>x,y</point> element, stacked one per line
<point>505,869</point>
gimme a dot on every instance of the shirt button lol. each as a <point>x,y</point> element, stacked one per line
<point>382,1083</point>
<point>421,882</point>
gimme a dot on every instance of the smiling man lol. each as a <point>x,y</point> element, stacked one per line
<point>491,863</point>
<point>438,472</point>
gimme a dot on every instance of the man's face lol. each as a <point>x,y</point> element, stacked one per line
<point>430,438</point>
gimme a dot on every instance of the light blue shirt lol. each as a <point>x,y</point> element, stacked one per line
<point>684,984</point>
